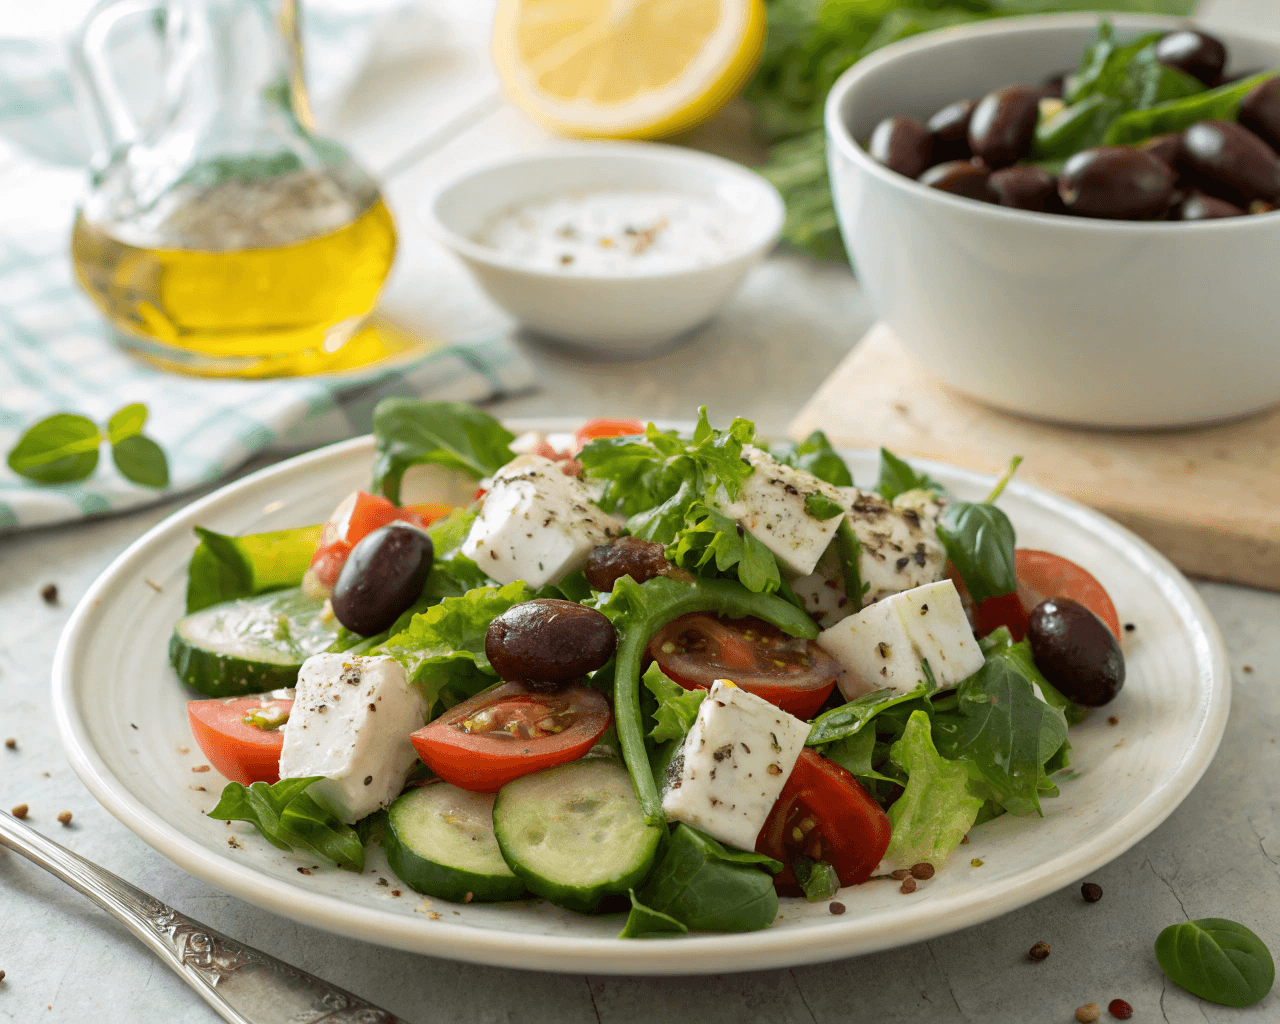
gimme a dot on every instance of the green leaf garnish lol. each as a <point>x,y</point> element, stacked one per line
<point>63,449</point>
<point>1218,960</point>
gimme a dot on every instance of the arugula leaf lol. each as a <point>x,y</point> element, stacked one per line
<point>937,807</point>
<point>677,707</point>
<point>896,477</point>
<point>442,649</point>
<point>713,538</point>
<point>849,719</point>
<point>288,817</point>
<point>708,887</point>
<point>815,455</point>
<point>1216,959</point>
<point>223,568</point>
<point>452,434</point>
<point>646,923</point>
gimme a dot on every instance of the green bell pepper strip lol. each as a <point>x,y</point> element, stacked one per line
<point>722,597</point>
<point>1220,104</point>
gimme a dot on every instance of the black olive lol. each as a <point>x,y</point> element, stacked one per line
<point>1026,188</point>
<point>549,642</point>
<point>1003,125</point>
<point>1076,651</point>
<point>950,130</point>
<point>1165,147</point>
<point>642,560</point>
<point>1199,206</point>
<point>382,577</point>
<point>1260,111</point>
<point>1116,182</point>
<point>902,144</point>
<point>1199,55</point>
<point>962,178</point>
<point>1230,162</point>
<point>1051,88</point>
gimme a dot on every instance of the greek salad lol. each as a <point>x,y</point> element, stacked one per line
<point>677,674</point>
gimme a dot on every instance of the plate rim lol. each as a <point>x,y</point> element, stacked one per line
<point>712,954</point>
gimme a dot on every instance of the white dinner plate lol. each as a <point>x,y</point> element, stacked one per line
<point>121,713</point>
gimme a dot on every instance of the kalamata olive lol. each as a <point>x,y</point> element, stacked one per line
<point>1076,651</point>
<point>1230,162</point>
<point>902,144</point>
<point>950,130</point>
<point>1116,182</point>
<point>1199,55</point>
<point>1025,188</point>
<point>548,643</point>
<point>1199,206</point>
<point>1003,124</point>
<point>1051,87</point>
<point>961,178</point>
<point>1165,147</point>
<point>382,577</point>
<point>1260,111</point>
<point>642,560</point>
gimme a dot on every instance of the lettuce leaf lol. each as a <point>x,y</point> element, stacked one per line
<point>677,707</point>
<point>713,540</point>
<point>289,818</point>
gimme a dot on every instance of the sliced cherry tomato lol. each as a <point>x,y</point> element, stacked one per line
<point>792,674</point>
<point>241,751</point>
<point>509,731</point>
<point>1041,575</point>
<point>593,429</point>
<point>429,511</point>
<point>824,813</point>
<point>357,515</point>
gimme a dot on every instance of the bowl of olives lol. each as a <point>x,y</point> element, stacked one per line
<point>1072,219</point>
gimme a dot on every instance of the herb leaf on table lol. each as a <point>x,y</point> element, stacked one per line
<point>1218,960</point>
<point>63,448</point>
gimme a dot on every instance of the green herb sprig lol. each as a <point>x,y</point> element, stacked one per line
<point>1218,960</point>
<point>64,448</point>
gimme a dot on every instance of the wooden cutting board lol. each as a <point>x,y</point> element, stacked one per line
<point>1208,497</point>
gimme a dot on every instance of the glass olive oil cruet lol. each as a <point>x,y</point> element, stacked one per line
<point>221,237</point>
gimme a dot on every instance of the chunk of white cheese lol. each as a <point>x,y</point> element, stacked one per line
<point>884,645</point>
<point>822,592</point>
<point>350,723</point>
<point>772,507</point>
<point>900,548</point>
<point>733,764</point>
<point>536,524</point>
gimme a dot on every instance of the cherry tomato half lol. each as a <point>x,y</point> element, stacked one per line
<point>593,429</point>
<point>825,813</point>
<point>241,751</point>
<point>509,731</point>
<point>793,674</point>
<point>357,515</point>
<point>1041,575</point>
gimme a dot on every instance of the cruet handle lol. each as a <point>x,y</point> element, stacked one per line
<point>111,123</point>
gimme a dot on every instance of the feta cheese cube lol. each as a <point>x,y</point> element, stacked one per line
<point>536,524</point>
<point>900,548</point>
<point>350,723</point>
<point>882,647</point>
<point>771,507</point>
<point>822,592</point>
<point>733,764</point>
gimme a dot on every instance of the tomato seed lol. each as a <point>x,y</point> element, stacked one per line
<point>1039,951</point>
<point>1119,1009</point>
<point>1091,891</point>
<point>1088,1013</point>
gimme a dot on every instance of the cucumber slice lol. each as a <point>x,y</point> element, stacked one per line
<point>250,644</point>
<point>575,833</point>
<point>439,841</point>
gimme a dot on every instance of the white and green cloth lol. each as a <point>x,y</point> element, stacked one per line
<point>56,352</point>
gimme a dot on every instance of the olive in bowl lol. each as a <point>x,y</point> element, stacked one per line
<point>1076,651</point>
<point>382,577</point>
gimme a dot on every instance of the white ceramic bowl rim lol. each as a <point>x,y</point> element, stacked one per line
<point>761,233</point>
<point>839,134</point>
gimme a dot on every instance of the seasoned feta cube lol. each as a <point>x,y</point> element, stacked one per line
<point>883,646</point>
<point>900,548</point>
<point>822,592</point>
<point>350,723</point>
<point>772,508</point>
<point>733,764</point>
<point>536,524</point>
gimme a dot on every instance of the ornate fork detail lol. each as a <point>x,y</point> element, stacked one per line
<point>244,985</point>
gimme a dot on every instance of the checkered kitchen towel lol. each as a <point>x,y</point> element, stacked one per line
<point>55,350</point>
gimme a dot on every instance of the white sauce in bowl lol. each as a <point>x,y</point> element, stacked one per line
<point>614,233</point>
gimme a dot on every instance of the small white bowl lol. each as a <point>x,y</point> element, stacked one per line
<point>609,313</point>
<point>1095,322</point>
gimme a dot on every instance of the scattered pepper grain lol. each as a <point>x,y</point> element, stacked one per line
<point>50,593</point>
<point>64,818</point>
<point>1038,952</point>
<point>1248,668</point>
<point>200,768</point>
<point>20,811</point>
<point>1119,1009</point>
<point>1091,891</point>
<point>1113,720</point>
<point>1,975</point>
<point>898,874</point>
<point>1129,627</point>
<point>395,892</point>
<point>977,862</point>
<point>964,840</point>
<point>908,886</point>
<point>304,871</point>
<point>1088,1013</point>
<point>922,871</point>
<point>837,908</point>
<point>383,881</point>
<point>11,744</point>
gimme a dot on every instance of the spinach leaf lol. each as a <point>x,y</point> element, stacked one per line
<point>646,923</point>
<point>848,719</point>
<point>855,754</point>
<point>452,434</point>
<point>1218,960</point>
<point>896,477</point>
<point>937,807</point>
<point>677,707</point>
<point>708,887</point>
<point>1000,642</point>
<point>979,540</point>
<point>815,455</point>
<point>713,539</point>
<point>223,568</point>
<point>289,818</point>
<point>818,879</point>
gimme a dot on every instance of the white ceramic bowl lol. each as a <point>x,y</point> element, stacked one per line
<point>606,313</point>
<point>1093,322</point>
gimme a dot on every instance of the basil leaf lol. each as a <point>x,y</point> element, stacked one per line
<point>1222,104</point>
<point>1218,960</point>
<point>677,707</point>
<point>821,507</point>
<point>979,540</point>
<point>646,923</point>
<point>849,719</point>
<point>452,434</point>
<point>815,455</point>
<point>141,461</point>
<point>126,422</point>
<point>712,538</point>
<point>896,477</point>
<point>57,450</point>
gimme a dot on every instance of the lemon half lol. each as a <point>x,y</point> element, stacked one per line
<point>626,69</point>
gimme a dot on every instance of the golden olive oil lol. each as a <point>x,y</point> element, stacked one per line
<point>269,278</point>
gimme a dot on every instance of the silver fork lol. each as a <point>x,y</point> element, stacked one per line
<point>244,985</point>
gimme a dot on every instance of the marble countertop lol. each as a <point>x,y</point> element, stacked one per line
<point>66,961</point>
